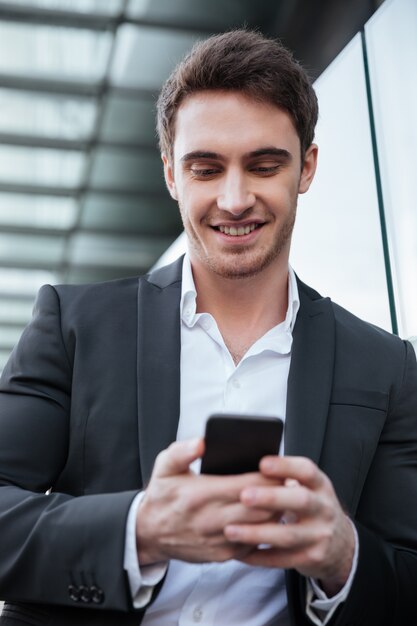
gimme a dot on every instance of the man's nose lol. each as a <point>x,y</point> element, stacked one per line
<point>235,195</point>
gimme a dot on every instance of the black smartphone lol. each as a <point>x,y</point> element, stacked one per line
<point>236,443</point>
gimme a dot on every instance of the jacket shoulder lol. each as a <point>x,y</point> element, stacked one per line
<point>353,329</point>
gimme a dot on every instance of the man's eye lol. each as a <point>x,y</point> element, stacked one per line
<point>204,172</point>
<point>265,169</point>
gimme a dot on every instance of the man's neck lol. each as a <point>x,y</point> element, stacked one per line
<point>244,308</point>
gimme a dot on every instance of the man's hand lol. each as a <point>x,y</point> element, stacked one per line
<point>315,536</point>
<point>183,515</point>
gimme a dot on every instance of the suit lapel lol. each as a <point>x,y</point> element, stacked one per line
<point>310,377</point>
<point>158,364</point>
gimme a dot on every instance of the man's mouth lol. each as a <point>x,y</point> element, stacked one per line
<point>237,231</point>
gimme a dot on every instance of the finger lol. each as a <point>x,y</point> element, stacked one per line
<point>177,457</point>
<point>285,536</point>
<point>274,557</point>
<point>298,468</point>
<point>214,525</point>
<point>229,488</point>
<point>298,499</point>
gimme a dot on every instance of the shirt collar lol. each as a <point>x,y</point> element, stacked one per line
<point>188,304</point>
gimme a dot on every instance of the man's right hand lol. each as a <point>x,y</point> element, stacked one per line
<point>183,515</point>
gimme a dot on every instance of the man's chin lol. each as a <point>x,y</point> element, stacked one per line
<point>238,268</point>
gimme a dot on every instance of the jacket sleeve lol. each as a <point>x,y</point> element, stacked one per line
<point>53,547</point>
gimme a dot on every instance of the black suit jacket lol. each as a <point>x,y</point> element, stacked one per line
<point>91,395</point>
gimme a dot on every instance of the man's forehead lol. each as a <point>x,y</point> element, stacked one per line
<point>214,121</point>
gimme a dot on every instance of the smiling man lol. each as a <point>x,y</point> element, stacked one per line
<point>104,401</point>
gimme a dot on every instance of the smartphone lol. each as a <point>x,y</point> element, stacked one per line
<point>236,443</point>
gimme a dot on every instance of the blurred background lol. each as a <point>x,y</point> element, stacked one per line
<point>82,196</point>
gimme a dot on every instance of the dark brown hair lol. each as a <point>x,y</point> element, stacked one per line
<point>245,61</point>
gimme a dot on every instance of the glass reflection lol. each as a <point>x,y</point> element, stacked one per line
<point>391,37</point>
<point>337,244</point>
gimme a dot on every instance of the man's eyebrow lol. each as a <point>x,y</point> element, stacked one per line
<point>199,154</point>
<point>270,151</point>
<point>267,151</point>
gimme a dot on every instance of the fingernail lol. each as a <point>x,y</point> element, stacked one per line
<point>267,465</point>
<point>192,445</point>
<point>249,495</point>
<point>232,532</point>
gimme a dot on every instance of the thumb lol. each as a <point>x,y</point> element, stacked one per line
<point>177,457</point>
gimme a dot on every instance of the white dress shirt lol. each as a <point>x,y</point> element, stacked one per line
<point>223,593</point>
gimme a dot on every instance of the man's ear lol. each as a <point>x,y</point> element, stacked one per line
<point>309,168</point>
<point>169,177</point>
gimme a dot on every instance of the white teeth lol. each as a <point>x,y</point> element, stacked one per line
<point>237,231</point>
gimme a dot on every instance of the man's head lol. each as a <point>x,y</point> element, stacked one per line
<point>236,122</point>
<point>241,61</point>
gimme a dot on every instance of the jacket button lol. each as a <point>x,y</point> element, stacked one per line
<point>74,593</point>
<point>85,595</point>
<point>97,594</point>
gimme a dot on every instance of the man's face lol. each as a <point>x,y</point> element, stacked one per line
<point>236,175</point>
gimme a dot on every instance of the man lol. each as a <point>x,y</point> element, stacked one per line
<point>107,376</point>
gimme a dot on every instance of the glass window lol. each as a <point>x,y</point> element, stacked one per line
<point>15,311</point>
<point>4,355</point>
<point>9,336</point>
<point>46,51</point>
<point>141,61</point>
<point>82,6</point>
<point>24,113</point>
<point>123,252</point>
<point>25,283</point>
<point>337,243</point>
<point>391,37</point>
<point>37,211</point>
<point>30,250</point>
<point>41,166</point>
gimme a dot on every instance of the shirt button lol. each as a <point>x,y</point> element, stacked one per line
<point>236,383</point>
<point>197,614</point>
<point>206,324</point>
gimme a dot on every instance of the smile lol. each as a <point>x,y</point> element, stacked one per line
<point>237,231</point>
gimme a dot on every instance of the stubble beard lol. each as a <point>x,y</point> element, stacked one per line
<point>241,262</point>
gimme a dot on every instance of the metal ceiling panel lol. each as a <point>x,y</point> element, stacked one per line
<point>146,215</point>
<point>140,61</point>
<point>132,170</point>
<point>128,119</point>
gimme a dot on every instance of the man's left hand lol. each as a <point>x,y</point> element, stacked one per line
<point>315,537</point>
